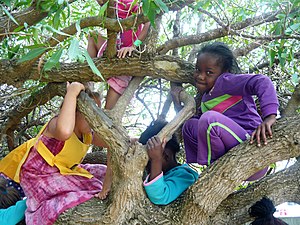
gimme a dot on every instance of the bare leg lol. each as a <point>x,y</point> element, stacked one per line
<point>94,47</point>
<point>107,180</point>
<point>111,98</point>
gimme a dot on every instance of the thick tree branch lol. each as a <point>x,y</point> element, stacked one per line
<point>211,188</point>
<point>184,114</point>
<point>244,51</point>
<point>166,67</point>
<point>37,98</point>
<point>293,104</point>
<point>220,179</point>
<point>216,33</point>
<point>30,16</point>
<point>280,187</point>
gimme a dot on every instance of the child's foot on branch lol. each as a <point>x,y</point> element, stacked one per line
<point>106,185</point>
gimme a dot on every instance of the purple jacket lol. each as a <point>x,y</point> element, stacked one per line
<point>244,112</point>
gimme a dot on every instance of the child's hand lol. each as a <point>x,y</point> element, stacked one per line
<point>155,148</point>
<point>263,130</point>
<point>75,87</point>
<point>123,51</point>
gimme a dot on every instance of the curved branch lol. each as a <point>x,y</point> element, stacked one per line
<point>166,67</point>
<point>216,33</point>
<point>221,179</point>
<point>280,187</point>
<point>37,98</point>
<point>293,104</point>
<point>244,51</point>
<point>30,16</point>
<point>184,114</point>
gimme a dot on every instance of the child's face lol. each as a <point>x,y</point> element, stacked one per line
<point>207,72</point>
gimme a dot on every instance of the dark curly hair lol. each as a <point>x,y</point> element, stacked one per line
<point>8,194</point>
<point>263,211</point>
<point>153,129</point>
<point>224,55</point>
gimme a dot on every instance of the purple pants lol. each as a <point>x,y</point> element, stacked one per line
<point>212,135</point>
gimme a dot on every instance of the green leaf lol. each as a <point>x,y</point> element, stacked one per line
<point>49,28</point>
<point>32,54</point>
<point>56,19</point>
<point>77,25</point>
<point>6,2</point>
<point>13,51</point>
<point>73,50</point>
<point>293,28</point>
<point>162,5</point>
<point>295,78</point>
<point>146,6</point>
<point>272,55</point>
<point>53,61</point>
<point>9,15</point>
<point>19,28</point>
<point>103,9</point>
<point>152,13</point>
<point>92,64</point>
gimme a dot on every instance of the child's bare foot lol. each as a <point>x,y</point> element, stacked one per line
<point>106,185</point>
<point>102,194</point>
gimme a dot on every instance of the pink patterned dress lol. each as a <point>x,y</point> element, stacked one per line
<point>124,9</point>
<point>48,192</point>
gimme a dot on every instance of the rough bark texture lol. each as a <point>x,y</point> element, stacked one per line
<point>293,104</point>
<point>210,200</point>
<point>167,67</point>
<point>40,97</point>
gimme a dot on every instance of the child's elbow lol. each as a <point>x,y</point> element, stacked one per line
<point>63,134</point>
<point>161,201</point>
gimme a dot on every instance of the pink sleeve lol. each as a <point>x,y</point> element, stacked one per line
<point>146,183</point>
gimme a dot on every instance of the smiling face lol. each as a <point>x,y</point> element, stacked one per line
<point>208,69</point>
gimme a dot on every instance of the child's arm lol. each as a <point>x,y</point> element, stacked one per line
<point>63,125</point>
<point>123,51</point>
<point>263,88</point>
<point>14,214</point>
<point>155,151</point>
<point>166,188</point>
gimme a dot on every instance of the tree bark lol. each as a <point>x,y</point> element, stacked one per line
<point>167,67</point>
<point>202,204</point>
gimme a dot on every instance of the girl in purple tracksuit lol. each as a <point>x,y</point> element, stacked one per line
<point>228,114</point>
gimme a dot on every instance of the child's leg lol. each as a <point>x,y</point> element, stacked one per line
<point>94,47</point>
<point>107,180</point>
<point>111,98</point>
<point>190,133</point>
<point>216,134</point>
<point>116,89</point>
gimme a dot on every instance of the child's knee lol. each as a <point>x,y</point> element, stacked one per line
<point>210,117</point>
<point>188,127</point>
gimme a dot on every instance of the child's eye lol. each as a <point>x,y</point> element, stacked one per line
<point>198,70</point>
<point>209,72</point>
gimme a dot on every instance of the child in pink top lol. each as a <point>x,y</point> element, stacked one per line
<point>126,43</point>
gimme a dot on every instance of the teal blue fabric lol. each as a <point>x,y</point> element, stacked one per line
<point>170,186</point>
<point>13,214</point>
